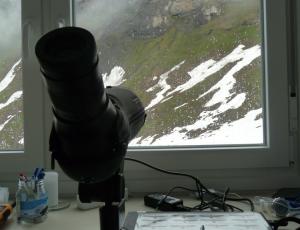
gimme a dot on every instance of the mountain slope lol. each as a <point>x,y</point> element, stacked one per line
<point>195,64</point>
<point>182,66</point>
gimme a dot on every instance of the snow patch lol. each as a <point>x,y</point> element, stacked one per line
<point>223,95</point>
<point>180,106</point>
<point>9,77</point>
<point>228,133</point>
<point>234,103</point>
<point>15,96</point>
<point>224,86</point>
<point>242,56</point>
<point>247,130</point>
<point>163,85</point>
<point>8,120</point>
<point>210,67</point>
<point>115,78</point>
<point>21,142</point>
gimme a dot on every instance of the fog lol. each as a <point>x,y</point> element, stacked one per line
<point>94,15</point>
<point>10,27</point>
<point>99,15</point>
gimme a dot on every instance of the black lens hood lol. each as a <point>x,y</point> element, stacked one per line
<point>67,52</point>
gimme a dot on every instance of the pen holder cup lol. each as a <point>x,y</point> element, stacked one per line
<point>31,202</point>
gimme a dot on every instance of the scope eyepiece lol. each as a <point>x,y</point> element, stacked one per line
<point>68,52</point>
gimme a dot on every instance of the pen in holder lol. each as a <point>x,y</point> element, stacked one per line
<point>31,198</point>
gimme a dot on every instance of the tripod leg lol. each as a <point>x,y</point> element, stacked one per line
<point>112,215</point>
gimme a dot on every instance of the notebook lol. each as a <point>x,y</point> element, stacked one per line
<point>195,221</point>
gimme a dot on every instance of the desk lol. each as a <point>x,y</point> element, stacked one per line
<point>74,219</point>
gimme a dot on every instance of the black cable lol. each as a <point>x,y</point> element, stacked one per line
<point>283,222</point>
<point>242,199</point>
<point>199,185</point>
<point>206,205</point>
<point>224,199</point>
<point>200,189</point>
<point>214,205</point>
<point>233,199</point>
<point>232,207</point>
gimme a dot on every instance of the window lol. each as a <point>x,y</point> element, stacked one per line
<point>258,162</point>
<point>22,140</point>
<point>154,48</point>
<point>11,105</point>
<point>211,65</point>
<point>196,65</point>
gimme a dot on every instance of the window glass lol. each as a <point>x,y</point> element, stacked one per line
<point>11,100</point>
<point>195,64</point>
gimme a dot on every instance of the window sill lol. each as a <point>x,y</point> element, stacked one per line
<point>73,218</point>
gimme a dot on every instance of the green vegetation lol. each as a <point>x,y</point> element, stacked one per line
<point>145,58</point>
<point>13,130</point>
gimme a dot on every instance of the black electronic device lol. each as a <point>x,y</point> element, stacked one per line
<point>92,125</point>
<point>163,202</point>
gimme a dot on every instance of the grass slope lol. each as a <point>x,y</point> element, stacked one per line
<point>145,58</point>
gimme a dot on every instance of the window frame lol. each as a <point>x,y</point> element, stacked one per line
<point>32,156</point>
<point>37,17</point>
<point>275,152</point>
<point>215,165</point>
<point>271,166</point>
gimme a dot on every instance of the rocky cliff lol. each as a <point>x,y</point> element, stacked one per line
<point>156,16</point>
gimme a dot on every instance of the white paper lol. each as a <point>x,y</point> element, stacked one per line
<point>195,221</point>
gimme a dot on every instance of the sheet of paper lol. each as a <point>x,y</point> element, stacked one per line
<point>200,221</point>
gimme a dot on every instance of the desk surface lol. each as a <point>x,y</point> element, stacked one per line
<point>73,218</point>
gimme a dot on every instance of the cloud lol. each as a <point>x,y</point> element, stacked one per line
<point>98,15</point>
<point>10,25</point>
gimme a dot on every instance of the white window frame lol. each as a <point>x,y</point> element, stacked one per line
<point>36,20</point>
<point>268,166</point>
<point>13,162</point>
<point>274,153</point>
